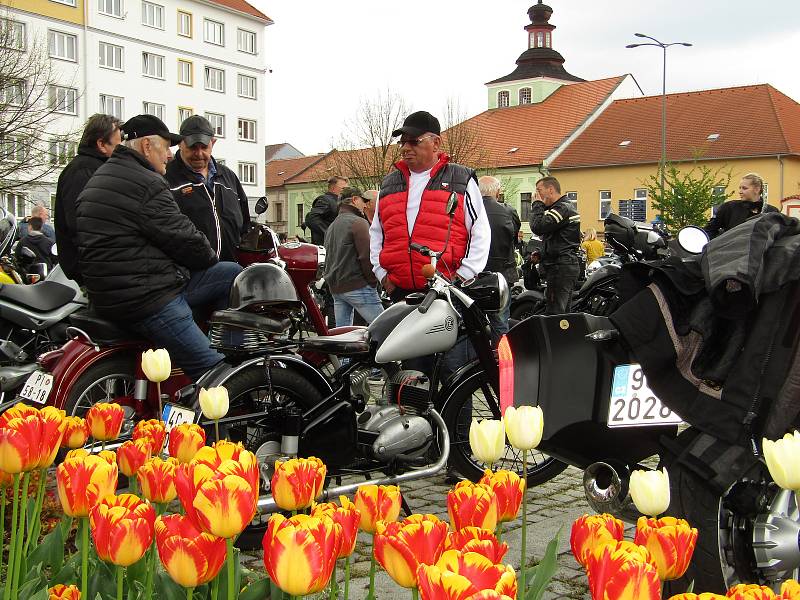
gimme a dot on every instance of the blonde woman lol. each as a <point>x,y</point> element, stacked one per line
<point>593,247</point>
<point>735,212</point>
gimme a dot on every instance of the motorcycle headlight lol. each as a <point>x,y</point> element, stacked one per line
<point>593,266</point>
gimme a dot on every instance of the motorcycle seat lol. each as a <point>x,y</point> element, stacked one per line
<point>246,320</point>
<point>100,330</point>
<point>43,296</point>
<point>350,343</point>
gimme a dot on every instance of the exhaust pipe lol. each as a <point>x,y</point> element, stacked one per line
<point>607,491</point>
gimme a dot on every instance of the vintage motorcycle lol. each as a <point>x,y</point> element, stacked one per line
<point>608,422</point>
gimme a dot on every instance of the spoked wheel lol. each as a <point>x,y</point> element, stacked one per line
<point>749,534</point>
<point>248,391</point>
<point>476,399</point>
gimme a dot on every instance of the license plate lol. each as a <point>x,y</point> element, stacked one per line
<point>37,387</point>
<point>633,403</point>
<point>176,415</point>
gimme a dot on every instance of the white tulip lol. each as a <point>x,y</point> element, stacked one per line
<point>214,402</point>
<point>783,460</point>
<point>156,365</point>
<point>524,426</point>
<point>487,440</point>
<point>650,491</point>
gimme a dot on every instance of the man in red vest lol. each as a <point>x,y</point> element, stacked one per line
<point>411,208</point>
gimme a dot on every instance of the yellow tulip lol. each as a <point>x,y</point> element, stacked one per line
<point>782,460</point>
<point>487,439</point>
<point>524,426</point>
<point>650,491</point>
<point>214,402</point>
<point>156,365</point>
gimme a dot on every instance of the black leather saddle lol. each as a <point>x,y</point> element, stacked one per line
<point>350,343</point>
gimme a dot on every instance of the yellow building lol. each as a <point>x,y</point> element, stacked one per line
<point>741,130</point>
<point>71,11</point>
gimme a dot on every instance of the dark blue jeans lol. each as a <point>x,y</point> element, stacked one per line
<point>173,327</point>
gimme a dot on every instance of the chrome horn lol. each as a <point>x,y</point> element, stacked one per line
<point>606,489</point>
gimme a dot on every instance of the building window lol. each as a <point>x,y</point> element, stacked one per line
<point>502,99</point>
<point>111,56</point>
<point>184,113</point>
<point>13,36</point>
<point>217,122</point>
<point>64,100</point>
<point>13,93</point>
<point>247,173</point>
<point>185,72</point>
<point>152,15</point>
<point>299,214</point>
<point>247,130</point>
<point>61,152</point>
<point>246,41</point>
<point>152,65</point>
<point>63,45</point>
<point>547,39</point>
<point>112,105</point>
<point>278,212</point>
<point>214,32</point>
<point>112,8</point>
<point>765,192</point>
<point>151,108</point>
<point>605,204</point>
<point>67,2</point>
<point>539,39</point>
<point>215,79</point>
<point>185,24</point>
<point>14,203</point>
<point>525,95</point>
<point>12,148</point>
<point>246,86</point>
<point>525,206</point>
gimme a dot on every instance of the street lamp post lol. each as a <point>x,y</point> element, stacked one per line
<point>663,46</point>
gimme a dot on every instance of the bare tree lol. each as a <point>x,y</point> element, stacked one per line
<point>461,139</point>
<point>31,98</point>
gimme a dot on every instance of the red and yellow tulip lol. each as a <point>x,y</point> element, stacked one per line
<point>377,503</point>
<point>790,590</point>
<point>53,426</point>
<point>703,596</point>
<point>472,505</point>
<point>347,516</point>
<point>590,531</point>
<point>64,592</point>
<point>122,528</point>
<point>84,479</point>
<point>131,455</point>
<point>489,595</point>
<point>153,430</point>
<point>300,552</point>
<point>105,420</point>
<point>29,438</point>
<point>475,539</point>
<point>622,571</point>
<point>185,441</point>
<point>751,591</point>
<point>671,543</point>
<point>296,483</point>
<point>190,556</point>
<point>156,479</point>
<point>401,547</point>
<point>509,488</point>
<point>460,575</point>
<point>76,432</point>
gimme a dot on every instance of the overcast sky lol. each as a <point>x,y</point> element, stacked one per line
<point>325,56</point>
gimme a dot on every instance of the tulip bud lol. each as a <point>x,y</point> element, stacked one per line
<point>782,460</point>
<point>105,420</point>
<point>76,432</point>
<point>122,528</point>
<point>463,575</point>
<point>751,591</point>
<point>509,489</point>
<point>472,505</point>
<point>153,430</point>
<point>185,441</point>
<point>790,590</point>
<point>190,556</point>
<point>524,426</point>
<point>671,543</point>
<point>131,455</point>
<point>650,491</point>
<point>377,503</point>
<point>214,402</point>
<point>487,439</point>
<point>156,365</point>
<point>64,592</point>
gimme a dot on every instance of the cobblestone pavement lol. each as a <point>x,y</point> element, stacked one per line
<point>551,507</point>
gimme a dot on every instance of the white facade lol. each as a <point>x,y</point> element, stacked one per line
<point>133,58</point>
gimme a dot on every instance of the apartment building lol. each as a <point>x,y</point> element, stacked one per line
<point>169,58</point>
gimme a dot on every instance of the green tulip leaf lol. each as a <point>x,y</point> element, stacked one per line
<point>135,590</point>
<point>102,581</point>
<point>50,552</point>
<point>29,512</point>
<point>545,571</point>
<point>69,573</point>
<point>237,574</point>
<point>690,589</point>
<point>275,593</point>
<point>40,595</point>
<point>256,591</point>
<point>33,585</point>
<point>137,572</point>
<point>167,589</point>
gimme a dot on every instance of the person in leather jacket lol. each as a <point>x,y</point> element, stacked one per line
<point>209,193</point>
<point>324,210</point>
<point>555,219</point>
<point>735,212</point>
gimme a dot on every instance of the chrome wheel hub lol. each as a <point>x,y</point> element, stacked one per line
<point>776,538</point>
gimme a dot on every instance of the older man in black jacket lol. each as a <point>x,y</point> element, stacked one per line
<point>143,261</point>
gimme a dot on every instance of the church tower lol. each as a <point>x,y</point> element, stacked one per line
<point>540,69</point>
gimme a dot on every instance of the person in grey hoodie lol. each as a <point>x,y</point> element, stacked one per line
<point>348,270</point>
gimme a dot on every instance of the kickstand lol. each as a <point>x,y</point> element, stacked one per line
<point>404,505</point>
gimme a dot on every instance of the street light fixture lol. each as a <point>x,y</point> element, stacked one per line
<point>663,46</point>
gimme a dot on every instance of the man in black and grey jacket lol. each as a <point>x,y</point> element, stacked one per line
<point>348,269</point>
<point>207,192</point>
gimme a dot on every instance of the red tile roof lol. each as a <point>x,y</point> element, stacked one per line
<point>752,120</point>
<point>278,171</point>
<point>244,7</point>
<point>536,130</point>
<point>347,163</point>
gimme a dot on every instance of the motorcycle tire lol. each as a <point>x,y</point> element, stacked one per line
<point>541,467</point>
<point>120,369</point>
<point>296,389</point>
<point>527,308</point>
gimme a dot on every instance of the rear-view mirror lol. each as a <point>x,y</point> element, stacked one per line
<point>692,239</point>
<point>261,205</point>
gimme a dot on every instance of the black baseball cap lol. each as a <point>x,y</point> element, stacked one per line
<point>349,192</point>
<point>419,123</point>
<point>196,130</point>
<point>143,125</point>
